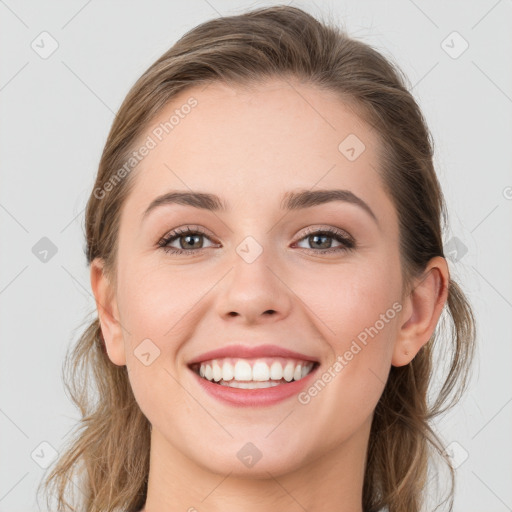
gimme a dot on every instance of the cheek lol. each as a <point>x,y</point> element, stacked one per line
<point>153,307</point>
<point>354,301</point>
<point>359,312</point>
<point>344,302</point>
<point>154,302</point>
<point>359,309</point>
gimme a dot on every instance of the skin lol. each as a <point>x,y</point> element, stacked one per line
<point>250,146</point>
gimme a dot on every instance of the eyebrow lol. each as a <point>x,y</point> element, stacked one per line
<point>293,200</point>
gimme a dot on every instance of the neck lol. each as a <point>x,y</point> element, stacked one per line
<point>332,481</point>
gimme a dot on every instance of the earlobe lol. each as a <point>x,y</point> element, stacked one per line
<point>106,306</point>
<point>423,309</point>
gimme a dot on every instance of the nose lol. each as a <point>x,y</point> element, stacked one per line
<point>255,292</point>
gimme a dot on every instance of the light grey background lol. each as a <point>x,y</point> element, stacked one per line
<point>56,113</point>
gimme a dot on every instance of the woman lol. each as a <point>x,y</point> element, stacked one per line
<point>265,246</point>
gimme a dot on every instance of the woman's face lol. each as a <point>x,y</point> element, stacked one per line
<point>318,275</point>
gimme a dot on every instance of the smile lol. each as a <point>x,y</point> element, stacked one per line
<point>253,373</point>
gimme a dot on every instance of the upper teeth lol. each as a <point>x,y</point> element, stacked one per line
<point>254,370</point>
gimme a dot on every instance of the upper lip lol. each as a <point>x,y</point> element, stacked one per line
<point>244,351</point>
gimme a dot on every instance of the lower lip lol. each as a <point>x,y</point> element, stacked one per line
<point>255,397</point>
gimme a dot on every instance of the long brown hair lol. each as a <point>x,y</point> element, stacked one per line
<point>276,42</point>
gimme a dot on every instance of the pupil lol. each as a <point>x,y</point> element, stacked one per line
<point>188,237</point>
<point>325,245</point>
<point>314,239</point>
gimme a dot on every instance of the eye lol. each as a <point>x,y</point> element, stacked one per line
<point>189,240</point>
<point>321,240</point>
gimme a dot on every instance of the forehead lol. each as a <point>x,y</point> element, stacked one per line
<point>254,143</point>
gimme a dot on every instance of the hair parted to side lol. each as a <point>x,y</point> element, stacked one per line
<point>275,42</point>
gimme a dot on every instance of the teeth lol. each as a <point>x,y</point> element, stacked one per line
<point>243,371</point>
<point>260,371</point>
<point>298,372</point>
<point>228,372</point>
<point>287,372</point>
<point>250,385</point>
<point>217,372</point>
<point>261,374</point>
<point>276,371</point>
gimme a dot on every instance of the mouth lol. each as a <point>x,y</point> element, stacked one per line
<point>253,373</point>
<point>240,375</point>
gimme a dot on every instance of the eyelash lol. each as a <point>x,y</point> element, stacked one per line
<point>340,236</point>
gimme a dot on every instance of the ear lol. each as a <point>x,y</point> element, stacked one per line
<point>108,314</point>
<point>421,311</point>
